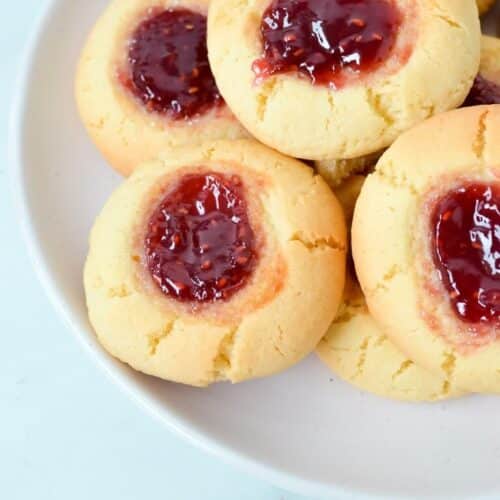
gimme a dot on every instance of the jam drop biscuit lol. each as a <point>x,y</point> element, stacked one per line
<point>330,79</point>
<point>144,83</point>
<point>222,262</point>
<point>426,243</point>
<point>357,350</point>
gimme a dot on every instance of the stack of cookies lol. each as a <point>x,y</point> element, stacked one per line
<point>298,178</point>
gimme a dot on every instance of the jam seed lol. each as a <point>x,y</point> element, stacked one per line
<point>193,90</point>
<point>221,283</point>
<point>344,44</point>
<point>356,21</point>
<point>242,260</point>
<point>206,265</point>
<point>180,286</point>
<point>447,215</point>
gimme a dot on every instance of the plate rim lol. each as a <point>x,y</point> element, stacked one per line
<point>202,440</point>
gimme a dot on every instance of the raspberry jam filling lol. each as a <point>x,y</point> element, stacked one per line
<point>483,91</point>
<point>200,245</point>
<point>466,251</point>
<point>321,39</point>
<point>168,65</point>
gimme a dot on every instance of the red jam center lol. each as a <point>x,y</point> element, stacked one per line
<point>169,70</point>
<point>466,248</point>
<point>200,245</point>
<point>483,91</point>
<point>322,38</point>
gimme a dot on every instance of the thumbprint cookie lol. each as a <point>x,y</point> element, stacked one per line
<point>426,244</point>
<point>358,351</point>
<point>224,261</point>
<point>144,83</point>
<point>341,79</point>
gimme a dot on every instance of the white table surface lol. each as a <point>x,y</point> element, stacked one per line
<point>66,431</point>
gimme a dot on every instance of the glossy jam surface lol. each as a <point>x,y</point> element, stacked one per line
<point>168,65</point>
<point>483,91</point>
<point>200,245</point>
<point>466,251</point>
<point>322,39</point>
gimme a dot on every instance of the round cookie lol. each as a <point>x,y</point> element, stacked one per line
<point>486,87</point>
<point>484,5</point>
<point>144,84</point>
<point>358,351</point>
<point>426,243</point>
<point>219,262</point>
<point>391,70</point>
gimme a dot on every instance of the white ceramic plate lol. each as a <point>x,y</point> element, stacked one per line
<point>303,430</point>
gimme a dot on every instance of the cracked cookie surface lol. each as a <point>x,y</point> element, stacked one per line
<point>279,312</point>
<point>320,122</point>
<point>357,350</point>
<point>392,244</point>
<point>122,107</point>
<point>486,90</point>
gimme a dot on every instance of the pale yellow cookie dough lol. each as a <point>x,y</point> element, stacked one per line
<point>391,243</point>
<point>336,171</point>
<point>124,132</point>
<point>290,114</point>
<point>273,322</point>
<point>357,350</point>
<point>490,58</point>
